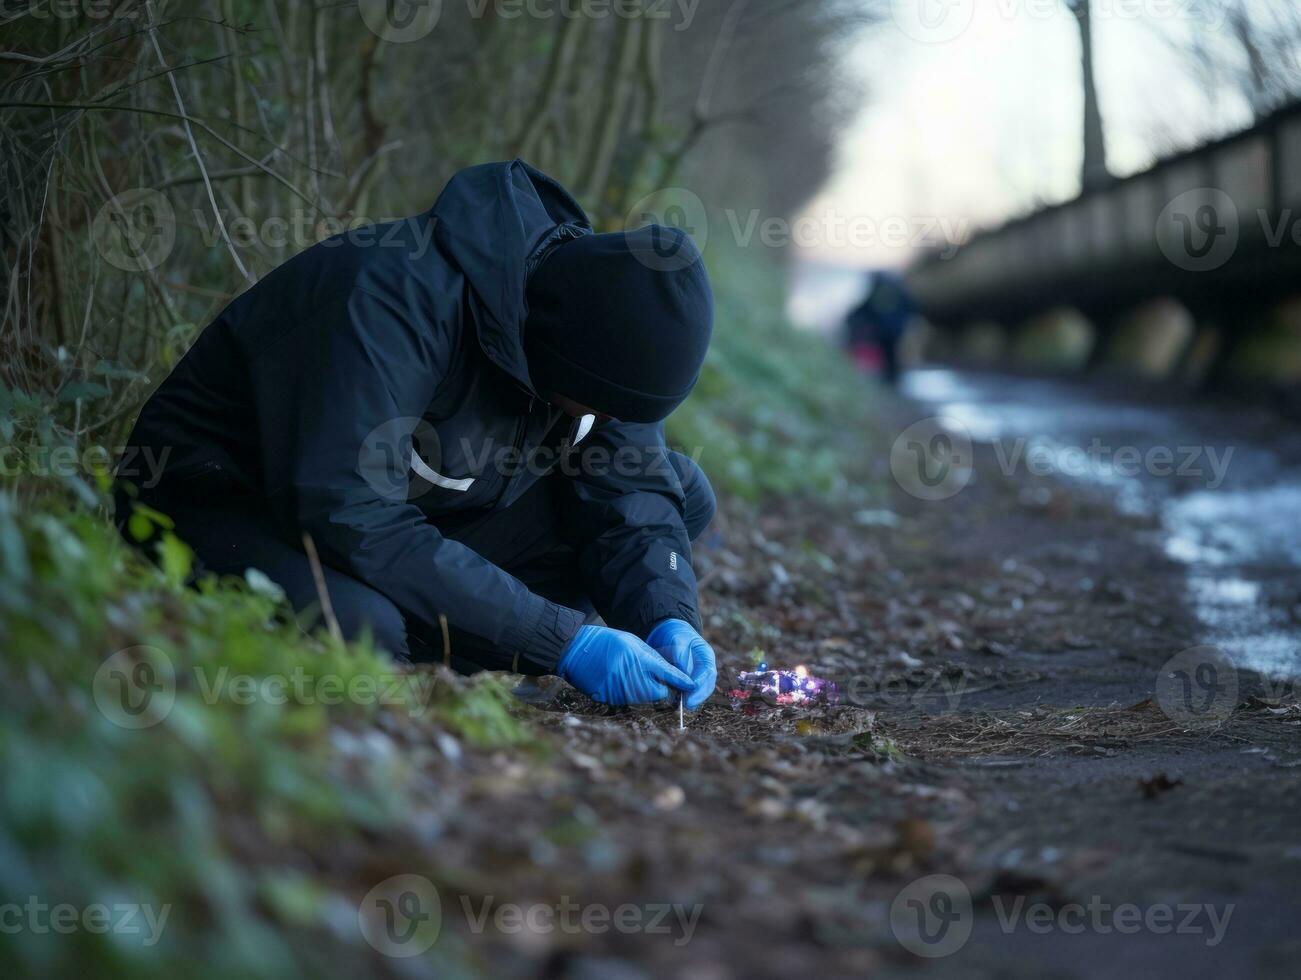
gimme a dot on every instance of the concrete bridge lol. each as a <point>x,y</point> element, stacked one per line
<point>1199,257</point>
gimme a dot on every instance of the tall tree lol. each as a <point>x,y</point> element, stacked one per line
<point>1093,171</point>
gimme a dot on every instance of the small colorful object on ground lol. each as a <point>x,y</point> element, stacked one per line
<point>796,686</point>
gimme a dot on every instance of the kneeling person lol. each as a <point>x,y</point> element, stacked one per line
<point>464,412</point>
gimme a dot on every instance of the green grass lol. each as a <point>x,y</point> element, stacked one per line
<point>226,805</point>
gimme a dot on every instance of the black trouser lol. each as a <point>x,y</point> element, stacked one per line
<point>529,539</point>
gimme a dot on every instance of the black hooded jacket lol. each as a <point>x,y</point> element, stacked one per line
<point>377,382</point>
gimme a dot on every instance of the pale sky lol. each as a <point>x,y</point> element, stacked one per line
<point>974,113</point>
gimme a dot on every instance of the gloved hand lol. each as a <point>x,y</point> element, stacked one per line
<point>679,644</point>
<point>615,667</point>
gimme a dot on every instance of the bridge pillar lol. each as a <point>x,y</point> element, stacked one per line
<point>1060,339</point>
<point>1151,339</point>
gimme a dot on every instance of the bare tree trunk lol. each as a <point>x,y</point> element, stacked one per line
<point>1093,172</point>
<point>648,68</point>
<point>611,116</point>
<point>558,68</point>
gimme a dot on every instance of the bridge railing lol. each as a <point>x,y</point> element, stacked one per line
<point>1134,236</point>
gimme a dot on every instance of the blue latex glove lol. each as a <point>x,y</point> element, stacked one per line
<point>615,667</point>
<point>679,644</point>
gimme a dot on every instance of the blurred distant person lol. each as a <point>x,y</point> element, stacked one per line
<point>880,321</point>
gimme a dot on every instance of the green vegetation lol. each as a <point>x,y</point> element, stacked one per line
<point>224,805</point>
<point>776,411</point>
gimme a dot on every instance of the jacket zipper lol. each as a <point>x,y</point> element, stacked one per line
<point>521,431</point>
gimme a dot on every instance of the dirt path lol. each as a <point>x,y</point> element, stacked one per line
<point>1010,784</point>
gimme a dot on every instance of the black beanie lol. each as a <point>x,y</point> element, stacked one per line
<point>620,321</point>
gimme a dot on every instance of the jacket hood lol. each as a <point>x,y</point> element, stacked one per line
<point>496,222</point>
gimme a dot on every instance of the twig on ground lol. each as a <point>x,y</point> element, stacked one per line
<point>318,576</point>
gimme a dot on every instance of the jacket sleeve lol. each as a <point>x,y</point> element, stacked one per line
<point>628,508</point>
<point>338,401</point>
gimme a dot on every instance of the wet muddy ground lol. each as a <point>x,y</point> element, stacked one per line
<point>1016,779</point>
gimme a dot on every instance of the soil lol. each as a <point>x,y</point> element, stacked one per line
<point>999,660</point>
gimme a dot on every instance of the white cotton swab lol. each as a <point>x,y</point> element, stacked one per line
<point>682,724</point>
